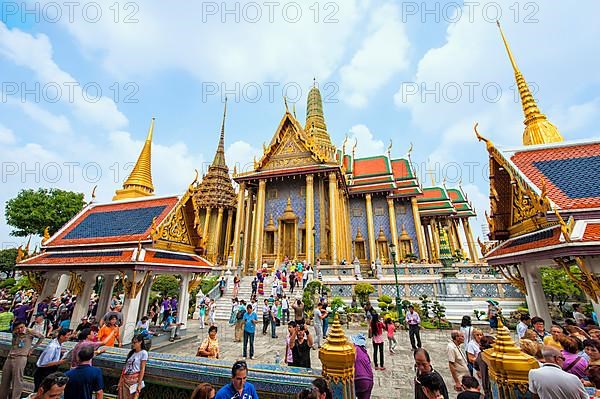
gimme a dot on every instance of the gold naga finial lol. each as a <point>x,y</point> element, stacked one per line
<point>94,194</point>
<point>46,236</point>
<point>566,228</point>
<point>389,150</point>
<point>344,144</point>
<point>294,110</point>
<point>286,104</point>
<point>235,170</point>
<point>153,230</point>
<point>27,246</point>
<point>354,147</point>
<point>139,250</point>
<point>538,129</point>
<point>20,254</point>
<point>264,145</point>
<point>488,143</point>
<point>409,150</point>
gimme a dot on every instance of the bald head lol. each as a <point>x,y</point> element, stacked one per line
<point>552,355</point>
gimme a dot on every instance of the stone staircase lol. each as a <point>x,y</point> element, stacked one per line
<point>224,303</point>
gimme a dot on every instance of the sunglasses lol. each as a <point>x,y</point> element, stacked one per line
<point>60,380</point>
<point>240,365</point>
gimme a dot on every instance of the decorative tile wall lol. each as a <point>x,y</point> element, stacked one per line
<point>387,289</point>
<point>511,291</point>
<point>359,221</point>
<point>484,290</point>
<point>417,290</point>
<point>408,220</point>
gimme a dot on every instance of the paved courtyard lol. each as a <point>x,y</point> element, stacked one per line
<point>394,382</point>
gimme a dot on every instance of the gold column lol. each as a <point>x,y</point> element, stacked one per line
<point>228,236</point>
<point>322,222</point>
<point>310,219</point>
<point>454,226</point>
<point>451,237</point>
<point>332,219</point>
<point>393,226</point>
<point>217,237</point>
<point>248,231</point>
<point>205,230</point>
<point>429,255</point>
<point>435,238</point>
<point>260,216</point>
<point>340,225</point>
<point>418,229</point>
<point>239,220</point>
<point>253,236</point>
<point>348,228</point>
<point>470,242</point>
<point>370,229</point>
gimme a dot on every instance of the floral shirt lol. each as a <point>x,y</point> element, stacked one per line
<point>210,345</point>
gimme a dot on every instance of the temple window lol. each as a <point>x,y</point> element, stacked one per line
<point>357,212</point>
<point>401,209</point>
<point>273,194</point>
<point>379,211</point>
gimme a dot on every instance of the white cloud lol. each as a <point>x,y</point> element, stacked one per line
<point>55,123</point>
<point>382,54</point>
<point>218,48</point>
<point>7,136</point>
<point>36,54</point>
<point>241,154</point>
<point>367,144</point>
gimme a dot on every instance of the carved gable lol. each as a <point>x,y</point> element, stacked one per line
<point>176,231</point>
<point>289,148</point>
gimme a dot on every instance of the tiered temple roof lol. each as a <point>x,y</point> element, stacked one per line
<point>435,201</point>
<point>216,189</point>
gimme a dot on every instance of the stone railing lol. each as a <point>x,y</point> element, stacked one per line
<point>171,376</point>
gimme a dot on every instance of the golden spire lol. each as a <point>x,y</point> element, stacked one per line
<point>139,182</point>
<point>315,122</point>
<point>219,159</point>
<point>538,129</point>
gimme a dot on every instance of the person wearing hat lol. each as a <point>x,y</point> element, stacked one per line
<point>493,310</point>
<point>363,373</point>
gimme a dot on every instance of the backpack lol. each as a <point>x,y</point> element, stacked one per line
<point>240,314</point>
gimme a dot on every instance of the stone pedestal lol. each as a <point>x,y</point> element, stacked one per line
<point>452,289</point>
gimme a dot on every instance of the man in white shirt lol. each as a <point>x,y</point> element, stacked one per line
<point>50,358</point>
<point>413,320</point>
<point>285,310</point>
<point>457,362</point>
<point>523,325</point>
<point>551,382</point>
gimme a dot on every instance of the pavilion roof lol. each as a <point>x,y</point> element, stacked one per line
<point>114,222</point>
<point>435,201</point>
<point>460,202</point>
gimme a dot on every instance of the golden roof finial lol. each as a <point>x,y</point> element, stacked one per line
<point>46,235</point>
<point>344,145</point>
<point>294,110</point>
<point>139,182</point>
<point>389,150</point>
<point>488,143</point>
<point>507,362</point>
<point>94,193</point>
<point>219,159</point>
<point>285,102</point>
<point>27,246</point>
<point>354,148</point>
<point>538,129</point>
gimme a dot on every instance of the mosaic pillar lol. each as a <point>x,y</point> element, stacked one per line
<point>435,237</point>
<point>227,243</point>
<point>217,236</point>
<point>469,236</point>
<point>205,231</point>
<point>337,356</point>
<point>239,222</point>
<point>310,219</point>
<point>259,222</point>
<point>418,228</point>
<point>370,228</point>
<point>248,231</point>
<point>393,226</point>
<point>332,217</point>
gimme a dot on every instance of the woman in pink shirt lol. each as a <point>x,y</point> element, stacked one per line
<point>376,332</point>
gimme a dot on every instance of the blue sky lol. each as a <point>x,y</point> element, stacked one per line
<point>413,72</point>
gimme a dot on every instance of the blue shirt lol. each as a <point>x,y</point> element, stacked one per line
<point>249,326</point>
<point>228,392</point>
<point>83,380</point>
<point>51,354</point>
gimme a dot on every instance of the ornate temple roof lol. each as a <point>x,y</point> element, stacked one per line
<point>460,202</point>
<point>139,182</point>
<point>435,201</point>
<point>216,190</point>
<point>380,174</point>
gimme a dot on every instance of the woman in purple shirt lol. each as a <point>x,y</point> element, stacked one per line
<point>573,363</point>
<point>363,373</point>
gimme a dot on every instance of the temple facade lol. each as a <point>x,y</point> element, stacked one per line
<point>305,199</point>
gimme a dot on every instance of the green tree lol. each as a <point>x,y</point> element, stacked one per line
<point>166,285</point>
<point>30,212</point>
<point>362,291</point>
<point>558,287</point>
<point>8,259</point>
